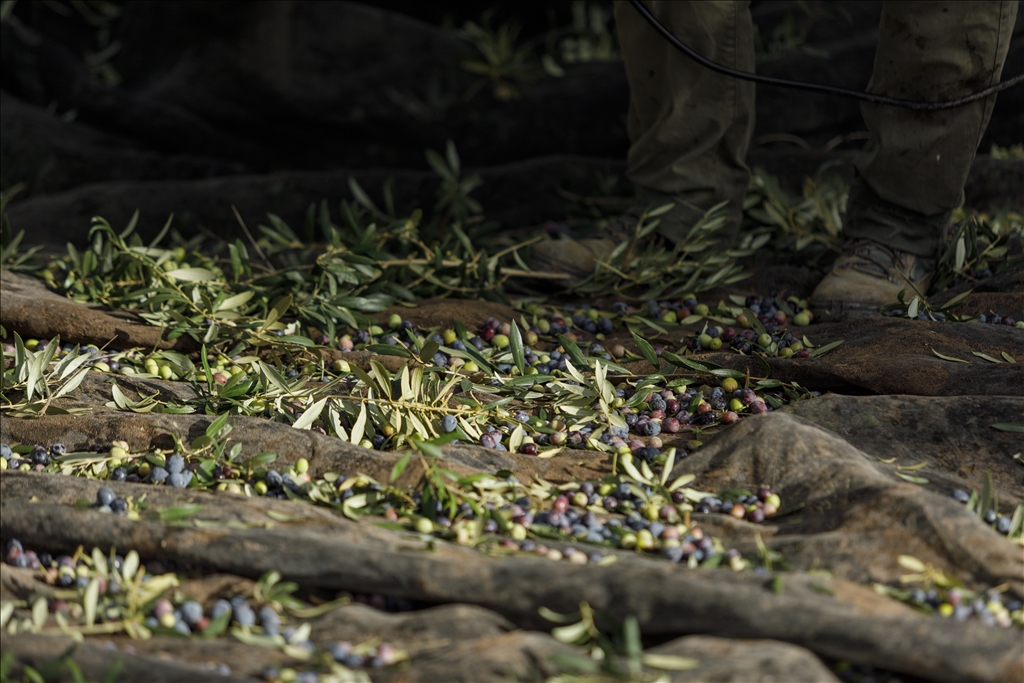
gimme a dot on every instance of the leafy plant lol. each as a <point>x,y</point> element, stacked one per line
<point>1011,152</point>
<point>640,267</point>
<point>453,194</point>
<point>501,65</point>
<point>979,246</point>
<point>37,382</point>
<point>271,590</point>
<point>814,219</point>
<point>616,651</point>
<point>219,296</point>
<point>919,307</point>
<point>122,612</point>
<point>10,257</point>
<point>63,668</point>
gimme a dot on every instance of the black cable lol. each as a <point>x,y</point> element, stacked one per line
<point>813,87</point>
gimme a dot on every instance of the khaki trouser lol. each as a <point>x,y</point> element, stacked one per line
<point>690,127</point>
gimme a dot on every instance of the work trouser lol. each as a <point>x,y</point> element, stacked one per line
<point>690,127</point>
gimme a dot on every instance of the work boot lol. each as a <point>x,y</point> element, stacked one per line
<point>868,275</point>
<point>571,257</point>
<point>577,257</point>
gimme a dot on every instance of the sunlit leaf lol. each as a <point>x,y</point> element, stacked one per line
<point>90,600</point>
<point>359,426</point>
<point>310,415</point>
<point>130,565</point>
<point>516,343</point>
<point>191,274</point>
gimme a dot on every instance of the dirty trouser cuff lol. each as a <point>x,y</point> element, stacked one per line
<point>868,216</point>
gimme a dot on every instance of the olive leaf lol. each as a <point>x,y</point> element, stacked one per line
<point>426,447</point>
<point>573,350</point>
<point>646,350</point>
<point>685,362</point>
<point>985,500</point>
<point>400,466</point>
<point>191,274</point>
<point>6,612</point>
<point>390,350</point>
<point>516,439</point>
<point>956,300</point>
<point>178,513</point>
<point>572,633</point>
<point>130,565</point>
<point>670,461</point>
<point>99,562</point>
<point>912,563</point>
<point>516,342</point>
<point>551,615</point>
<point>670,662</point>
<point>310,415</point>
<point>1017,524</point>
<point>39,613</point>
<point>822,350</point>
<point>681,481</point>
<point>234,302</point>
<point>949,358</point>
<point>430,348</point>
<point>90,601</point>
<point>217,626</point>
<point>961,254</point>
<point>360,425</point>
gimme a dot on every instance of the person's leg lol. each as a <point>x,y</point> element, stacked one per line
<point>690,127</point>
<point>911,174</point>
<point>913,170</point>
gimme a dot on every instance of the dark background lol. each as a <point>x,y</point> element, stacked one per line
<point>130,104</point>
